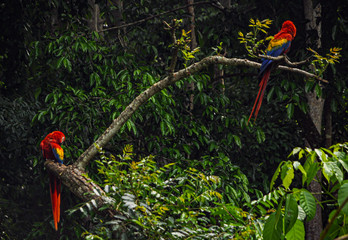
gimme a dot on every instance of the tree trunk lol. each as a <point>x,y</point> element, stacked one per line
<point>116,19</point>
<point>328,123</point>
<point>95,23</point>
<point>316,106</point>
<point>191,86</point>
<point>219,73</point>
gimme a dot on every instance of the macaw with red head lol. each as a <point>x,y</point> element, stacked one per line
<point>51,149</point>
<point>280,44</point>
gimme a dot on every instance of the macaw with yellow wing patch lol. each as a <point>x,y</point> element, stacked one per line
<point>280,44</point>
<point>51,149</point>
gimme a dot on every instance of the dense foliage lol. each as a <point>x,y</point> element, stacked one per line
<point>172,203</point>
<point>58,74</point>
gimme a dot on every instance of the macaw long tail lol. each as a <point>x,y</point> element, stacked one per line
<point>261,93</point>
<point>55,189</point>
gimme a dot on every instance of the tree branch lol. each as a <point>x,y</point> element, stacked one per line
<point>175,46</point>
<point>83,160</point>
<point>80,185</point>
<point>286,59</point>
<point>294,64</point>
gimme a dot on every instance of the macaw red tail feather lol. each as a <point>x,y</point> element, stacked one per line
<point>58,198</point>
<point>261,93</point>
<point>55,188</point>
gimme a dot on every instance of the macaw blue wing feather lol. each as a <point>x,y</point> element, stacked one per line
<point>58,152</point>
<point>274,50</point>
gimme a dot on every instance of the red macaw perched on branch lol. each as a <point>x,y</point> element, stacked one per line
<point>280,44</point>
<point>51,149</point>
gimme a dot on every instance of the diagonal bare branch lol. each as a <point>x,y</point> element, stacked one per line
<point>115,126</point>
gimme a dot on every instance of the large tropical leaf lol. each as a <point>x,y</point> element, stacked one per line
<point>342,196</point>
<point>297,232</point>
<point>273,228</point>
<point>307,202</point>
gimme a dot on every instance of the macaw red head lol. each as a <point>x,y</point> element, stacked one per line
<point>58,136</point>
<point>55,136</point>
<point>289,27</point>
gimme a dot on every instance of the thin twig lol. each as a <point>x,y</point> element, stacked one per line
<point>328,226</point>
<point>286,59</point>
<point>155,16</point>
<point>344,237</point>
<point>294,64</point>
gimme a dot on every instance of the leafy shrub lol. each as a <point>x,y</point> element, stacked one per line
<point>164,202</point>
<point>170,203</point>
<point>298,204</point>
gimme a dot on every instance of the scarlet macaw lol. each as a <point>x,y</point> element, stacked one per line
<point>280,44</point>
<point>51,149</point>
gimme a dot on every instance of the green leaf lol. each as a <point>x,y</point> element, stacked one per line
<point>187,148</point>
<point>40,115</point>
<point>270,94</point>
<point>260,136</point>
<point>344,164</point>
<point>290,110</point>
<point>273,229</point>
<point>237,141</point>
<point>328,170</point>
<point>48,97</point>
<point>291,212</point>
<point>318,90</point>
<point>275,175</point>
<point>298,166</point>
<point>279,92</point>
<point>321,154</point>
<point>309,86</point>
<point>279,214</point>
<point>287,174</point>
<point>301,214</point>
<point>297,232</point>
<point>59,62</point>
<point>212,146</point>
<point>131,126</point>
<point>67,64</point>
<point>35,162</point>
<point>312,171</point>
<point>295,151</point>
<point>296,98</point>
<point>337,172</point>
<point>307,202</point>
<point>163,129</point>
<point>37,92</point>
<point>199,86</point>
<point>342,196</point>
